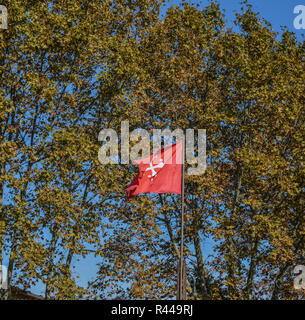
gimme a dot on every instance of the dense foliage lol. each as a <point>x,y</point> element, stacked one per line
<point>70,68</point>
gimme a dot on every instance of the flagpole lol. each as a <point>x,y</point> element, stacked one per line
<point>181,282</point>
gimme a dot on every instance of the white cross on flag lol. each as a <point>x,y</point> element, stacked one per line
<point>159,173</point>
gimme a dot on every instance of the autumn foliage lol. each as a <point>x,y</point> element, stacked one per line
<point>69,68</point>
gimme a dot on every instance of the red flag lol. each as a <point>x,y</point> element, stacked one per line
<point>159,173</point>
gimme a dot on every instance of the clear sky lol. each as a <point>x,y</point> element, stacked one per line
<point>278,13</point>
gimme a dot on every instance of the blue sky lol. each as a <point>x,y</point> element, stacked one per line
<point>278,13</point>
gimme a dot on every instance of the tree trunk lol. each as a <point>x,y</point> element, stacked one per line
<point>202,274</point>
<point>3,291</point>
<point>51,262</point>
<point>251,273</point>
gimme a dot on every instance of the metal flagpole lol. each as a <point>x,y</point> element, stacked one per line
<point>181,273</point>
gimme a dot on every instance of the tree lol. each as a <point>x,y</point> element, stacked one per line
<point>96,64</point>
<point>52,86</point>
<point>247,89</point>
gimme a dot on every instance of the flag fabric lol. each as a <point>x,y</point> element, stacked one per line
<point>159,173</point>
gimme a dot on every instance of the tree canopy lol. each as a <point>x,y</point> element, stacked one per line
<point>71,68</point>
